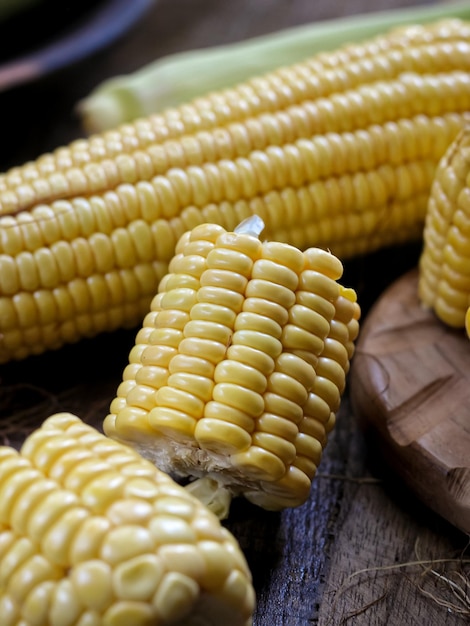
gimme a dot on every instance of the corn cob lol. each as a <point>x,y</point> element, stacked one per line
<point>91,534</point>
<point>181,77</point>
<point>444,268</point>
<point>276,108</point>
<point>237,372</point>
<point>338,152</point>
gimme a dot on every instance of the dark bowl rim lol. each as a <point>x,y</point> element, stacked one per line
<point>99,28</point>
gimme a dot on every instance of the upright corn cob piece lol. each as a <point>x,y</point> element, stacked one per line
<point>338,152</point>
<point>91,534</point>
<point>238,370</point>
<point>444,269</point>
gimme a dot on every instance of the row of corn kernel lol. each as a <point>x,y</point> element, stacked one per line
<point>81,237</point>
<point>326,154</point>
<point>379,107</point>
<point>322,403</point>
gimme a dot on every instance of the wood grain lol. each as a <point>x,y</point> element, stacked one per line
<point>358,516</point>
<point>410,387</point>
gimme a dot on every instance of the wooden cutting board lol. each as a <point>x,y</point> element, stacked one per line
<point>410,390</point>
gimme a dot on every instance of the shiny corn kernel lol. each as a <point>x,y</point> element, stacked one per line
<point>259,371</point>
<point>142,552</point>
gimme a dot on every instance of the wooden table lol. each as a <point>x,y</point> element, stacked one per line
<point>341,557</point>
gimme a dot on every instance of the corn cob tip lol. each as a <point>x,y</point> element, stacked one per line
<point>91,533</point>
<point>103,111</point>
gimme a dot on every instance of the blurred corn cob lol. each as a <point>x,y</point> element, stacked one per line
<point>93,535</point>
<point>173,80</point>
<point>338,152</point>
<point>237,373</point>
<point>444,269</point>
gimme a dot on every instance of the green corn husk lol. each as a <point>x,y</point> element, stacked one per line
<point>180,77</point>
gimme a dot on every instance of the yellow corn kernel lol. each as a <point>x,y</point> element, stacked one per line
<point>91,533</point>
<point>444,266</point>
<point>104,159</point>
<point>338,152</point>
<point>250,396</point>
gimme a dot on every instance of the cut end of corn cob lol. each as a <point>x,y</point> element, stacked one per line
<point>237,372</point>
<point>92,534</point>
<point>444,267</point>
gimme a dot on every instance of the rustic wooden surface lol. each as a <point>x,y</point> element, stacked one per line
<point>343,557</point>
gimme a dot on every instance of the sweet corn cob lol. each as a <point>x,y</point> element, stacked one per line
<point>238,369</point>
<point>444,268</point>
<point>338,152</point>
<point>277,108</point>
<point>91,534</point>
